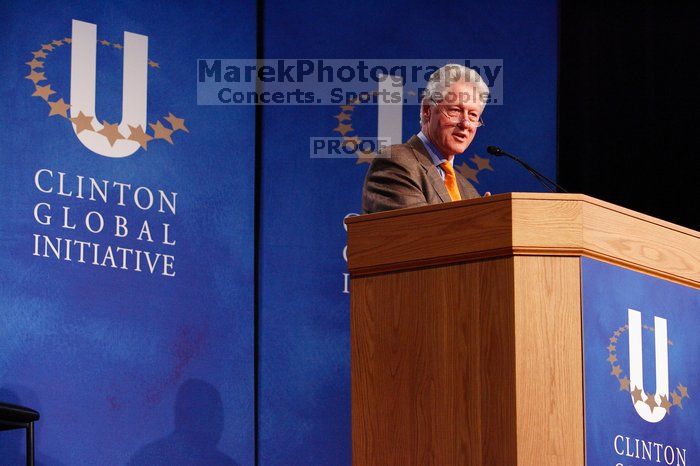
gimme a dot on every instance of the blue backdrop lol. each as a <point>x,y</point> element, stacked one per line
<point>126,365</point>
<point>116,359</point>
<point>304,308</point>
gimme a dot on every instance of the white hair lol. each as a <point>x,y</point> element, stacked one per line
<point>444,77</point>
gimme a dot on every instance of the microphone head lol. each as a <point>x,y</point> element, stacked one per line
<point>493,150</point>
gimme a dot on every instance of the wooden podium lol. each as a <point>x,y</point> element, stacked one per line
<point>455,309</point>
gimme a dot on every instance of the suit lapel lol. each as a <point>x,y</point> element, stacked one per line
<point>466,187</point>
<point>430,169</point>
<point>462,187</point>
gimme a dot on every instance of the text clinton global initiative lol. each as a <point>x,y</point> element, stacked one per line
<point>77,216</point>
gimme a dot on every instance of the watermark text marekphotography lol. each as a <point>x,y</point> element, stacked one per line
<point>318,81</point>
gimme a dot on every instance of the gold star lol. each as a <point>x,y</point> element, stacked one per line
<point>82,122</point>
<point>636,395</point>
<point>343,129</point>
<point>354,141</point>
<point>39,54</point>
<point>57,43</point>
<point>153,64</point>
<point>481,162</point>
<point>47,47</point>
<point>651,401</point>
<point>624,384</point>
<point>468,172</point>
<point>35,63</point>
<point>616,371</point>
<point>677,399</point>
<point>670,342</point>
<point>36,77</point>
<point>664,402</point>
<point>684,391</point>
<point>43,91</point>
<point>364,157</point>
<point>176,123</point>
<point>341,117</point>
<point>58,108</point>
<point>347,108</point>
<point>117,46</point>
<point>111,132</point>
<point>611,348</point>
<point>612,358</point>
<point>613,339</point>
<point>138,135</point>
<point>67,40</point>
<point>161,132</point>
<point>617,333</point>
<point>367,152</point>
<point>104,42</point>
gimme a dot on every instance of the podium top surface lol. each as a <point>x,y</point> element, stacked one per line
<point>522,224</point>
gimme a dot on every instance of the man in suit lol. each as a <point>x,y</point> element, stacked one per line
<point>421,171</point>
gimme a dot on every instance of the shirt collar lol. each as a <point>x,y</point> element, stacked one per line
<point>435,154</point>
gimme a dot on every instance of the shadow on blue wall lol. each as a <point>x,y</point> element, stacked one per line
<point>199,422</point>
<point>12,442</point>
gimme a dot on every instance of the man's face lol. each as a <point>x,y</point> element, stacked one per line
<point>452,135</point>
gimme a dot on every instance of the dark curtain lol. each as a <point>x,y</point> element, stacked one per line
<point>628,106</point>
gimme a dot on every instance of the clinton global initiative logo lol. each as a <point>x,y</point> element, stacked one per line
<point>101,136</point>
<point>352,142</point>
<point>650,406</point>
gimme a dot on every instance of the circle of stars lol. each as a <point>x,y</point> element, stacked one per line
<point>346,130</point>
<point>677,395</point>
<point>82,122</point>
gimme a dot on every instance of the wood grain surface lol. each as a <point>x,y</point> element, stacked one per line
<point>549,361</point>
<point>523,224</point>
<point>468,364</point>
<point>433,366</point>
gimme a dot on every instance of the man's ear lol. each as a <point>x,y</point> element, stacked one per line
<point>425,111</point>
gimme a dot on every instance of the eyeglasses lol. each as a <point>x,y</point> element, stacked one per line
<point>456,115</point>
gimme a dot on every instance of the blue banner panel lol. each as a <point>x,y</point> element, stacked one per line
<point>126,234</point>
<point>642,368</point>
<point>304,395</point>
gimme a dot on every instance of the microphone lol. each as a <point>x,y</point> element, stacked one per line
<point>546,182</point>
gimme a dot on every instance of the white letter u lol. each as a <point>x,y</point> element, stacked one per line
<point>82,88</point>
<point>637,369</point>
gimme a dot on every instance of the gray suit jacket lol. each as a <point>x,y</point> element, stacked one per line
<point>407,178</point>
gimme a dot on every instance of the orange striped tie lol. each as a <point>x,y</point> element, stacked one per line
<point>451,181</point>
